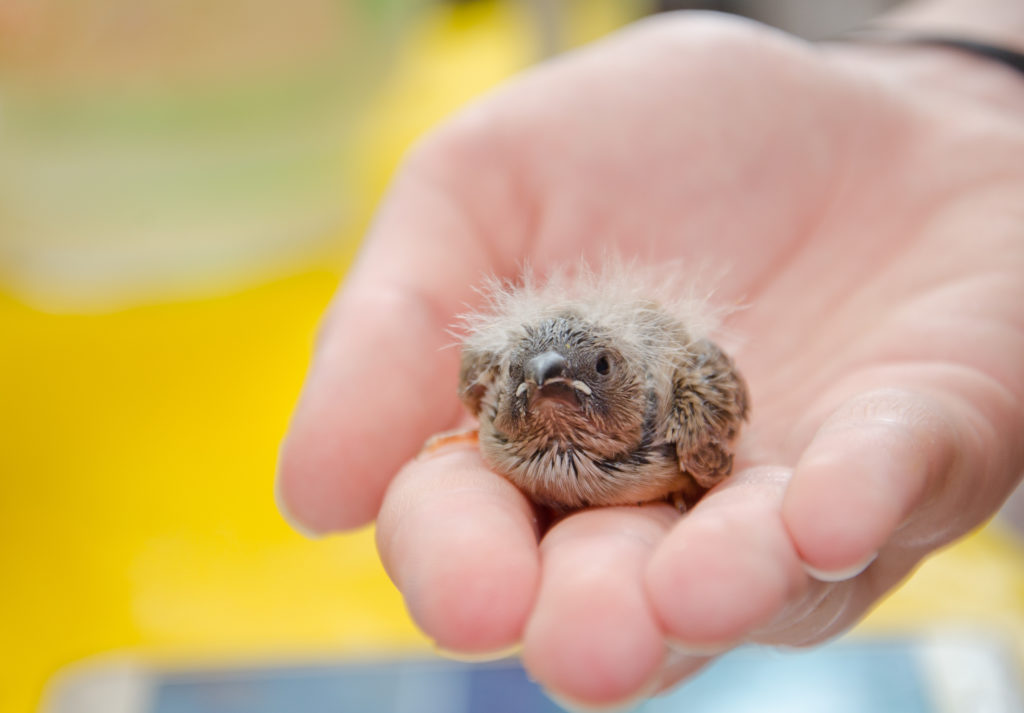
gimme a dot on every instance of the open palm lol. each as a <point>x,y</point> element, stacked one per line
<point>875,238</point>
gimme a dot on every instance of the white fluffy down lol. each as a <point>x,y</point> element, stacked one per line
<point>653,312</point>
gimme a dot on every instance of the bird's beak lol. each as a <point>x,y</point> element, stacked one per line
<point>547,377</point>
<point>546,367</point>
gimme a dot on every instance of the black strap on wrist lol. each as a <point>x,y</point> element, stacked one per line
<point>997,53</point>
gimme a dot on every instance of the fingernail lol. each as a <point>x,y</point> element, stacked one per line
<point>479,656</point>
<point>840,575</point>
<point>669,676</point>
<point>617,707</point>
<point>626,704</point>
<point>699,651</point>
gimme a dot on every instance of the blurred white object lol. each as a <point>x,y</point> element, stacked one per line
<point>964,676</point>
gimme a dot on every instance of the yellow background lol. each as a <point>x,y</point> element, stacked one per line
<point>137,451</point>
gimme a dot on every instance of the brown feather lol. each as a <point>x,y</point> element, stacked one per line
<point>647,406</point>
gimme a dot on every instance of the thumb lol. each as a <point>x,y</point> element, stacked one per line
<point>381,380</point>
<point>916,466</point>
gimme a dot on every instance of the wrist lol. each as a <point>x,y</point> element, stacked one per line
<point>902,46</point>
<point>907,57</point>
<point>997,22</point>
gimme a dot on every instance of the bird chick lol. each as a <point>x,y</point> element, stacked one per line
<point>588,391</point>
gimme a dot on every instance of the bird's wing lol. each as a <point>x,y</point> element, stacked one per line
<point>476,373</point>
<point>709,404</point>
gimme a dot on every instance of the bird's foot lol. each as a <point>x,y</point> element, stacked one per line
<point>678,501</point>
<point>446,439</point>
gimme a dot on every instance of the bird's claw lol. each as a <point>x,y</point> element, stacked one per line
<point>446,439</point>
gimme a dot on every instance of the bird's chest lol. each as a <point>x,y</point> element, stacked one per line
<point>569,474</point>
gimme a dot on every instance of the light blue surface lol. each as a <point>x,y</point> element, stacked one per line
<point>857,677</point>
<point>845,678</point>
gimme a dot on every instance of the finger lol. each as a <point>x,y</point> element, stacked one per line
<point>826,609</point>
<point>878,457</point>
<point>728,567</point>
<point>461,544</point>
<point>382,379</point>
<point>592,638</point>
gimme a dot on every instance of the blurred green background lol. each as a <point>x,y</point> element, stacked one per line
<point>182,186</point>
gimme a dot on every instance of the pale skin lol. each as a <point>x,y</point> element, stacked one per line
<point>867,203</point>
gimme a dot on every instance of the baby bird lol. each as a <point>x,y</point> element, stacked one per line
<point>590,391</point>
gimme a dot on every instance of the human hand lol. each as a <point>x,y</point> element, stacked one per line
<point>873,227</point>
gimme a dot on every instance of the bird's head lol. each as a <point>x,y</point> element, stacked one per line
<point>570,380</point>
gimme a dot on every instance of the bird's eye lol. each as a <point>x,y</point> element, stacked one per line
<point>602,366</point>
